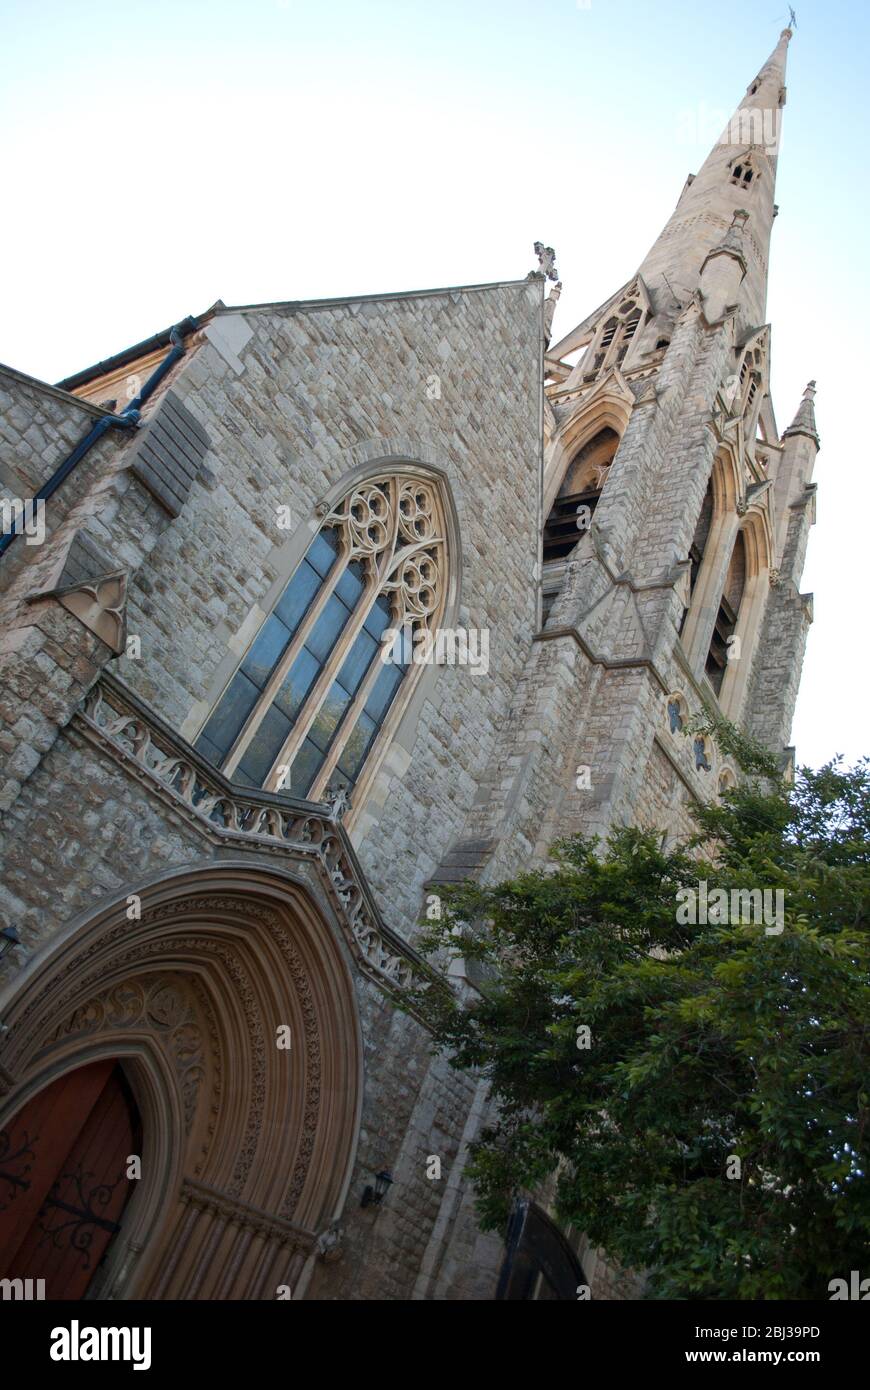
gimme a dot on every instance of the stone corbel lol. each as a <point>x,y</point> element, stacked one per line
<point>100,605</point>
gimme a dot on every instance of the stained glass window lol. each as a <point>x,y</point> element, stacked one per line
<point>310,698</point>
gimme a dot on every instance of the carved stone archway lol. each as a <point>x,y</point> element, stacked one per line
<point>191,983</point>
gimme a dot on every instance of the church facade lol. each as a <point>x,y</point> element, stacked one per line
<point>308,608</point>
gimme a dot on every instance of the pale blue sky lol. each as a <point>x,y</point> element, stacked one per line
<point>161,154</point>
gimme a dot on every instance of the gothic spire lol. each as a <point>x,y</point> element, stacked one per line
<point>804,421</point>
<point>738,174</point>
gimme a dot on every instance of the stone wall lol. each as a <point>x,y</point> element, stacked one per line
<point>302,399</point>
<point>292,402</point>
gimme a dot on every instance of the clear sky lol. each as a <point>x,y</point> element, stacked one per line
<point>162,154</point>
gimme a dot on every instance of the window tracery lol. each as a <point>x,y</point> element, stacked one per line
<point>310,698</point>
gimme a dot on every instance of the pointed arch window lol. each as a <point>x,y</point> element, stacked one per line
<point>743,173</point>
<point>614,337</point>
<point>629,329</point>
<point>749,380</point>
<point>609,332</point>
<point>578,496</point>
<point>727,615</point>
<point>309,700</point>
<point>699,546</point>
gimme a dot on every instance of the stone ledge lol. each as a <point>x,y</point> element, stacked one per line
<point>123,726</point>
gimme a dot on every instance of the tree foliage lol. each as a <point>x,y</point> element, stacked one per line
<point>707,1042</point>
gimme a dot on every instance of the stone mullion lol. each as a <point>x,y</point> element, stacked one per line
<point>335,660</point>
<point>254,719</point>
<point>345,729</point>
<point>316,695</point>
<point>357,705</point>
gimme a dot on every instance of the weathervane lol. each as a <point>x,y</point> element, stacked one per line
<point>792,18</point>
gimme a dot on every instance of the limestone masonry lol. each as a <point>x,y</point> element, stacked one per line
<point>228,801</point>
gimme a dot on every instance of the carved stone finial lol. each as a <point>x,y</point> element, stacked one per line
<point>546,263</point>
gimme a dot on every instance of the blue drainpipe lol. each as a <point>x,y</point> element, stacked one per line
<point>128,419</point>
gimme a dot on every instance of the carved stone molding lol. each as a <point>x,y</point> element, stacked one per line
<point>160,1003</point>
<point>121,725</point>
<point>394,522</point>
<point>132,1001</point>
<point>99,604</point>
<point>254,1219</point>
<point>262,1139</point>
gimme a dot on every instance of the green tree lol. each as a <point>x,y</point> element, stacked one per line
<point>708,1042</point>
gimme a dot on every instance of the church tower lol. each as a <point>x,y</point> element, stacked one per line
<point>227,797</point>
<point>675,519</point>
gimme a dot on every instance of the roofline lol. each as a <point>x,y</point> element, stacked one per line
<point>298,305</point>
<point>58,391</point>
<point>131,354</point>
<point>293,306</point>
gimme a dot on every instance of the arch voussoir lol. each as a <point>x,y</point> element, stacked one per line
<point>230,1004</point>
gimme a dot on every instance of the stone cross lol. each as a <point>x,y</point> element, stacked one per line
<point>546,263</point>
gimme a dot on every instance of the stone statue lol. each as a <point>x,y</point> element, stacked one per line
<point>338,802</point>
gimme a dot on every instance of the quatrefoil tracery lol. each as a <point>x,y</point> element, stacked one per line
<point>394,525</point>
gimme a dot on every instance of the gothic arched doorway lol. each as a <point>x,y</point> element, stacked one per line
<point>63,1178</point>
<point>229,1000</point>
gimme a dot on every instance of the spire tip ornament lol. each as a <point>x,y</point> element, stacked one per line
<point>546,263</point>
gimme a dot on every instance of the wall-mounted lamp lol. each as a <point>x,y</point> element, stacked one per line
<point>373,1196</point>
<point>8,938</point>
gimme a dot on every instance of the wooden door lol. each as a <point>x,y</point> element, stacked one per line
<point>63,1178</point>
